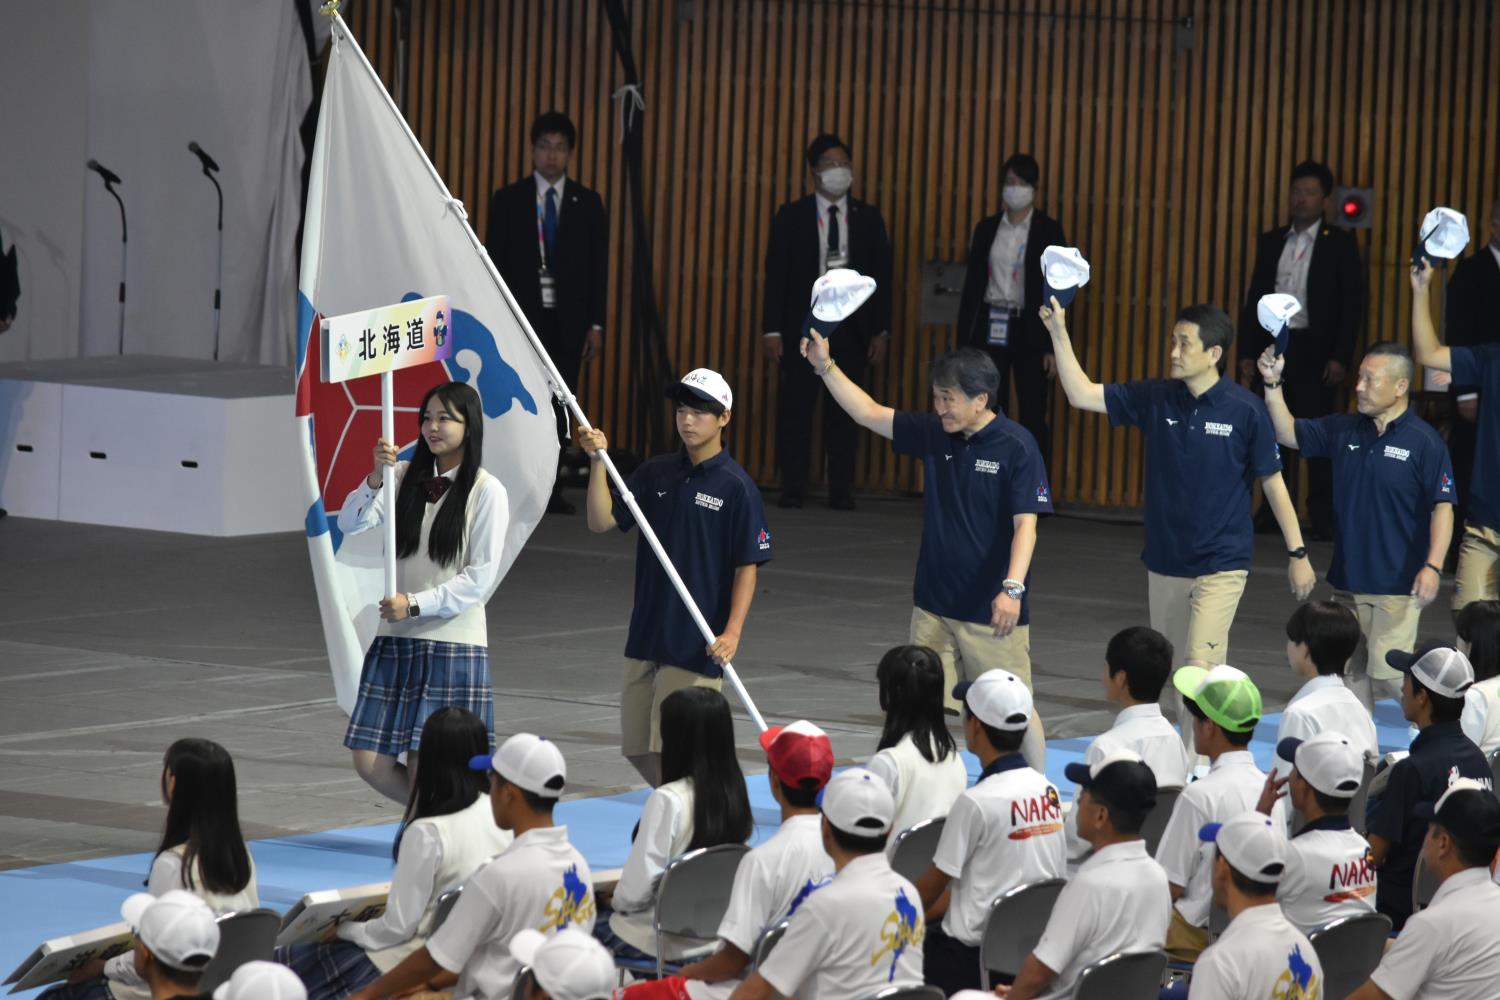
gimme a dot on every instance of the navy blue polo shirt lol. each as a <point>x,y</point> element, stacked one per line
<point>710,519</point>
<point>1384,489</point>
<point>1440,754</point>
<point>1202,456</point>
<point>1480,365</point>
<point>973,486</point>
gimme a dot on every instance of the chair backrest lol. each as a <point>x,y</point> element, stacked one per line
<point>1125,975</point>
<point>443,907</point>
<point>1424,886</point>
<point>1361,799</point>
<point>518,988</point>
<point>246,936</point>
<point>694,891</point>
<point>914,847</point>
<point>768,939</point>
<point>908,993</point>
<point>1014,926</point>
<point>1495,769</point>
<point>1349,949</point>
<point>1156,819</point>
<point>1218,920</point>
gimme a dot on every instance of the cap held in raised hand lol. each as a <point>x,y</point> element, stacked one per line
<point>1064,271</point>
<point>835,297</point>
<point>1273,311</point>
<point>1444,234</point>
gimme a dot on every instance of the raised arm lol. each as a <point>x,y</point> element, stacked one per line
<point>1281,416</point>
<point>1424,339</point>
<point>855,401</point>
<point>1082,392</point>
<point>598,504</point>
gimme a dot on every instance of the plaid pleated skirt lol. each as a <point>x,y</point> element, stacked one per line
<point>330,970</point>
<point>403,681</point>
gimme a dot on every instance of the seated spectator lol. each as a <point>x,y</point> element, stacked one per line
<point>262,981</point>
<point>1004,832</point>
<point>1260,954</point>
<point>1137,663</point>
<point>447,833</point>
<point>774,878</point>
<point>568,965</point>
<point>916,756</point>
<point>176,936</point>
<point>1329,873</point>
<point>862,932</point>
<point>1432,698</point>
<point>1451,949</point>
<point>1479,640</point>
<point>702,802</point>
<point>1224,706</point>
<point>1118,901</point>
<point>540,881</point>
<point>1320,638</point>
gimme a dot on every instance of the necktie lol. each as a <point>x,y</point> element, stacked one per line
<point>549,223</point>
<point>436,487</point>
<point>833,230</point>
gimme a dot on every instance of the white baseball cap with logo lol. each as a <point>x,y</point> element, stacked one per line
<point>1327,761</point>
<point>177,927</point>
<point>997,698</point>
<point>703,386</point>
<point>1251,844</point>
<point>529,761</point>
<point>568,965</point>
<point>857,802</point>
<point>262,981</point>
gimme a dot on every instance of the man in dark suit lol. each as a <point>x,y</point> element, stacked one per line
<point>1473,317</point>
<point>548,236</point>
<point>825,230</point>
<point>997,311</point>
<point>1320,266</point>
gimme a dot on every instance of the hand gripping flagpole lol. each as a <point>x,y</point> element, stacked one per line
<point>560,388</point>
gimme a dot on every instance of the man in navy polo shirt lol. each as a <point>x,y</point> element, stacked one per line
<point>1392,504</point>
<point>1478,575</point>
<point>708,515</point>
<point>983,486</point>
<point>1207,441</point>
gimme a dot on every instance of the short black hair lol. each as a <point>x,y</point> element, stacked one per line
<point>1394,349</point>
<point>186,978</point>
<point>855,844</point>
<point>799,798</point>
<point>1314,169</point>
<point>1244,883</point>
<point>1126,821</point>
<point>1214,327</point>
<point>970,371</point>
<point>1003,740</point>
<point>822,144</point>
<point>1330,631</point>
<point>1145,656</point>
<point>1444,709</point>
<point>1333,805</point>
<point>1025,167</point>
<point>1235,739</point>
<point>554,123</point>
<point>1475,849</point>
<point>535,802</point>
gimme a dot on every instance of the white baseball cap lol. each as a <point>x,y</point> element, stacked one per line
<point>703,385</point>
<point>262,981</point>
<point>1251,844</point>
<point>529,761</point>
<point>569,965</point>
<point>1064,271</point>
<point>177,927</point>
<point>856,801</point>
<point>1444,234</point>
<point>1327,761</point>
<point>1438,668</point>
<point>838,293</point>
<point>998,698</point>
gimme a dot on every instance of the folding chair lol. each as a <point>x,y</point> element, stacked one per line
<point>246,936</point>
<point>1361,799</point>
<point>443,907</point>
<point>908,993</point>
<point>1349,948</point>
<point>1125,975</point>
<point>1424,886</point>
<point>691,898</point>
<point>912,849</point>
<point>1495,769</point>
<point>768,940</point>
<point>518,988</point>
<point>1013,927</point>
<point>1156,819</point>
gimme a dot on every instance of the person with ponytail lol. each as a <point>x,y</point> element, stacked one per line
<point>446,834</point>
<point>430,649</point>
<point>1479,639</point>
<point>916,755</point>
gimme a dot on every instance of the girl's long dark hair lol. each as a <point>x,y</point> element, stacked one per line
<point>697,741</point>
<point>911,696</point>
<point>1479,625</point>
<point>444,784</point>
<point>204,816</point>
<point>447,534</point>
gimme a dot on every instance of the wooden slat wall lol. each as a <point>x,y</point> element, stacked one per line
<point>1162,161</point>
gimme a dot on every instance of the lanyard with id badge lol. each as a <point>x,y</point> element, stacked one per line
<point>546,282</point>
<point>1000,315</point>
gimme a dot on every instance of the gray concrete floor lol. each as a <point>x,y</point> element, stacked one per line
<point>115,642</point>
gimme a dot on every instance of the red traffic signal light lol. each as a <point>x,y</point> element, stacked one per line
<point>1354,207</point>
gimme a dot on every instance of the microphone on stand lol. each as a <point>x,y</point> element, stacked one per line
<point>110,177</point>
<point>209,169</point>
<point>110,180</point>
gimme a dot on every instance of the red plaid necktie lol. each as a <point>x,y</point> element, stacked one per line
<point>436,487</point>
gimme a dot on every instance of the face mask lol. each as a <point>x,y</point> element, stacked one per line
<point>1018,196</point>
<point>836,180</point>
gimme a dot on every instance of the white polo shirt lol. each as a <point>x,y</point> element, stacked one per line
<point>1005,831</point>
<point>1328,875</point>
<point>1232,786</point>
<point>1118,901</point>
<point>1451,950</point>
<point>1324,704</point>
<point>1260,955</point>
<point>1481,715</point>
<point>856,936</point>
<point>539,881</point>
<point>771,884</point>
<point>1143,729</point>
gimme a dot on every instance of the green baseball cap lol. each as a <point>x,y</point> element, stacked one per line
<point>1224,694</point>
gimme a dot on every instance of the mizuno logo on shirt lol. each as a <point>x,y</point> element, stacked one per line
<point>704,500</point>
<point>1218,429</point>
<point>1353,447</point>
<point>661,493</point>
<point>948,457</point>
<point>1172,423</point>
<point>1391,451</point>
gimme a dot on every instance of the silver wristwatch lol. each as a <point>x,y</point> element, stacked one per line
<point>412,611</point>
<point>1013,589</point>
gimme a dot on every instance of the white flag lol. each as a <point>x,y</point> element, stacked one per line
<point>380,228</point>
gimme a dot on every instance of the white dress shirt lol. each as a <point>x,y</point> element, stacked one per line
<point>1144,730</point>
<point>1291,269</point>
<point>541,191</point>
<point>823,206</point>
<point>1232,786</point>
<point>1481,715</point>
<point>1324,704</point>
<point>1007,285</point>
<point>1451,950</point>
<point>666,830</point>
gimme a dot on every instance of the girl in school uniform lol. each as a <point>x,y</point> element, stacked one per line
<point>1479,639</point>
<point>916,755</point>
<point>702,802</point>
<point>447,833</point>
<point>202,851</point>
<point>430,649</point>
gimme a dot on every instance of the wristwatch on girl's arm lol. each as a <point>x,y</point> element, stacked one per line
<point>412,611</point>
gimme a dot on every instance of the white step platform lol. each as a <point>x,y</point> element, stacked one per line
<point>172,444</point>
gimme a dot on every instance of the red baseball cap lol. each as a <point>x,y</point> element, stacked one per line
<point>798,753</point>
